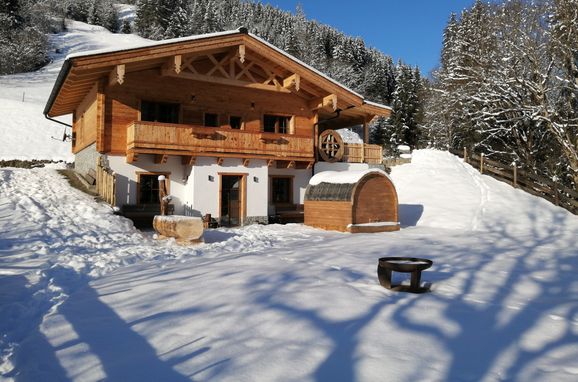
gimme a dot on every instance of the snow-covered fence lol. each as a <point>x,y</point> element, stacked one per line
<point>105,182</point>
<point>534,184</point>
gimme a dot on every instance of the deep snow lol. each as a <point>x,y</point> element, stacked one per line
<point>87,297</point>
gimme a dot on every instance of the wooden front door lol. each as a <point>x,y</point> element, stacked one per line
<point>232,199</point>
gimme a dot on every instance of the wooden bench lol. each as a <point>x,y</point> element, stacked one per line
<point>292,213</point>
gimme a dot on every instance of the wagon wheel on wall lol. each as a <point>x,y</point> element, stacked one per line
<point>331,146</point>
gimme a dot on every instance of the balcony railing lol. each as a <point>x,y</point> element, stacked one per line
<point>362,153</point>
<point>166,138</point>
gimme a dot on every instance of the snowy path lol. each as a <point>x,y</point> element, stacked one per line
<point>289,302</point>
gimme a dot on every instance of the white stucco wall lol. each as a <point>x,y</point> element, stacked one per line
<point>127,178</point>
<point>206,192</point>
<point>195,190</point>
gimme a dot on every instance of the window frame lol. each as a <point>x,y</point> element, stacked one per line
<point>272,179</point>
<point>140,174</point>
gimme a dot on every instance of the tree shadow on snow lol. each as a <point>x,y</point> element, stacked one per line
<point>511,291</point>
<point>344,335</point>
<point>123,353</point>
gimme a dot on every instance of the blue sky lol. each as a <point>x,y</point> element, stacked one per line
<point>410,30</point>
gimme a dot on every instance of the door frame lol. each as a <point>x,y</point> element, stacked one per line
<point>242,192</point>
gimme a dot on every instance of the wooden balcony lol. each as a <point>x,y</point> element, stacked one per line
<point>191,140</point>
<point>362,153</point>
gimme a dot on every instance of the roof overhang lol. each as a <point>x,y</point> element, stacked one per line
<point>81,71</point>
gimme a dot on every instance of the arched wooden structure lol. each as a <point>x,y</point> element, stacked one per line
<point>354,201</point>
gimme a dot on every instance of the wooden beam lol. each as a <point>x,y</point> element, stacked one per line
<point>131,157</point>
<point>246,162</point>
<point>291,164</point>
<point>241,53</point>
<point>230,82</point>
<point>188,160</point>
<point>161,158</point>
<point>173,65</point>
<point>245,71</point>
<point>310,165</point>
<point>219,64</point>
<point>329,100</point>
<point>270,162</point>
<point>220,160</point>
<point>293,81</point>
<point>116,76</point>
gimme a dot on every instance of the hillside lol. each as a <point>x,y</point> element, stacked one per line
<point>28,135</point>
<point>87,297</point>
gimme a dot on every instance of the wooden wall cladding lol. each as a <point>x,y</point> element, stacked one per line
<point>330,215</point>
<point>375,200</point>
<point>84,124</point>
<point>196,98</point>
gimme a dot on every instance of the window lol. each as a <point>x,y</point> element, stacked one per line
<point>276,124</point>
<point>148,190</point>
<point>281,190</point>
<point>211,120</point>
<point>159,112</point>
<point>235,122</point>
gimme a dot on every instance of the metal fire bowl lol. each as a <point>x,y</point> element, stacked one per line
<point>404,264</point>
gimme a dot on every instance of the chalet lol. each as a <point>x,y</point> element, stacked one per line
<point>236,125</point>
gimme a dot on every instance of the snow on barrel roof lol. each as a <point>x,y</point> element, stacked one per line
<point>343,177</point>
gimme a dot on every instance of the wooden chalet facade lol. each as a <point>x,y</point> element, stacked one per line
<point>231,121</point>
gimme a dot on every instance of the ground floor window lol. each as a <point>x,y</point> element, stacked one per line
<point>148,187</point>
<point>282,190</point>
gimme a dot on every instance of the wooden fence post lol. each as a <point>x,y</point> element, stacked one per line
<point>465,154</point>
<point>556,195</point>
<point>515,171</point>
<point>481,163</point>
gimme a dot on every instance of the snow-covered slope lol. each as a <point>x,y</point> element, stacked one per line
<point>84,296</point>
<point>27,134</point>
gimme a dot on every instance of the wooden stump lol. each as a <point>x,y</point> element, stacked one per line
<point>185,229</point>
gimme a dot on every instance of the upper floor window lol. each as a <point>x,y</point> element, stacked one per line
<point>276,124</point>
<point>235,122</point>
<point>159,112</point>
<point>211,120</point>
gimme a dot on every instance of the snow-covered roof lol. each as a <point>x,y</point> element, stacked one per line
<point>349,136</point>
<point>343,177</point>
<point>151,44</point>
<point>371,103</point>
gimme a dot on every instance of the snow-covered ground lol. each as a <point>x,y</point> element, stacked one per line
<point>84,296</point>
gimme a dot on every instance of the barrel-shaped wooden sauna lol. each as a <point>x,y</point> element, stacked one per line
<point>352,201</point>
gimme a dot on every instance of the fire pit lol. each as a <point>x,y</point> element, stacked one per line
<point>412,265</point>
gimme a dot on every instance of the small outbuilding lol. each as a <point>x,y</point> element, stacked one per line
<point>352,201</point>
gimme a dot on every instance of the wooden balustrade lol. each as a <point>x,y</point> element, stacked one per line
<point>177,139</point>
<point>362,153</point>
